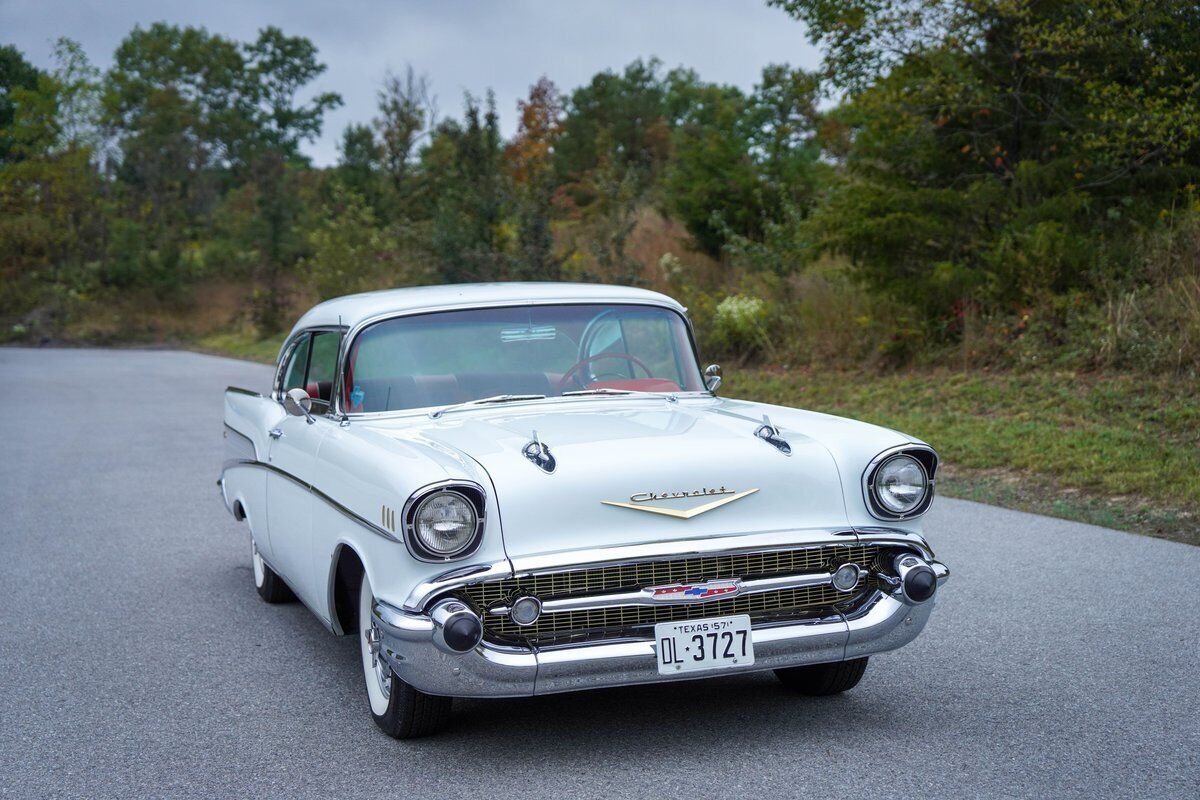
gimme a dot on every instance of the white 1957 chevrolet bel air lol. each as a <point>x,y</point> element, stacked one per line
<point>518,489</point>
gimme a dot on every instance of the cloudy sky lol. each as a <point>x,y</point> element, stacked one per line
<point>463,46</point>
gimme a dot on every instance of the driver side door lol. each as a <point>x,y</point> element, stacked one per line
<point>292,452</point>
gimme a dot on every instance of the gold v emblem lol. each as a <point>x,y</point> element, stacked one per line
<point>689,513</point>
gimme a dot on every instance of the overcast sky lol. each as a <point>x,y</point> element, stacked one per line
<point>462,46</point>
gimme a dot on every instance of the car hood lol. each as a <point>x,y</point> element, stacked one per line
<point>623,450</point>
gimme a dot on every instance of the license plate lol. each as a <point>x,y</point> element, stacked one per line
<point>703,644</point>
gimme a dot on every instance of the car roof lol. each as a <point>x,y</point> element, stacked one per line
<point>354,309</point>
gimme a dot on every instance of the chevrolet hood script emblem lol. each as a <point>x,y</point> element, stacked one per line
<point>638,502</point>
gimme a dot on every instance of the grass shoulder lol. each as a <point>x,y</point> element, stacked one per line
<point>1120,450</point>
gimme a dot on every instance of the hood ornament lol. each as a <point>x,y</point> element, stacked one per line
<point>540,455</point>
<point>771,435</point>
<point>638,501</point>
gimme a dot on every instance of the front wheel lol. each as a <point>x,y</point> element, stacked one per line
<point>817,680</point>
<point>398,709</point>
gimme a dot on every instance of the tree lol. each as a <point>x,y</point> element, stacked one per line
<point>738,161</point>
<point>712,182</point>
<point>529,156</point>
<point>1000,154</point>
<point>407,113</point>
<point>359,167</point>
<point>278,67</point>
<point>471,236</point>
<point>50,221</point>
<point>620,118</point>
<point>352,253</point>
<point>15,74</point>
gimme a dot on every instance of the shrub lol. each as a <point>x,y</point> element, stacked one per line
<point>739,327</point>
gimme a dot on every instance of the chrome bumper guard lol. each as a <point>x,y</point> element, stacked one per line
<point>885,623</point>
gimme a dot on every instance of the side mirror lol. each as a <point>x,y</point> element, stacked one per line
<point>712,377</point>
<point>297,403</point>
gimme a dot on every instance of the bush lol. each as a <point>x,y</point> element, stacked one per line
<point>739,327</point>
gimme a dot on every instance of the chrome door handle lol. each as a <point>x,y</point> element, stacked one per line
<point>275,433</point>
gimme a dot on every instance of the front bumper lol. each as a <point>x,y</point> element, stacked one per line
<point>885,623</point>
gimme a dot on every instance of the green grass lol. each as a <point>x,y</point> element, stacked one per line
<point>241,344</point>
<point>1120,450</point>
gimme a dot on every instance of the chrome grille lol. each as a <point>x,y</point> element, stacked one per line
<point>614,621</point>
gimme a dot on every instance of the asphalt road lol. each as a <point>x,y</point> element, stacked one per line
<point>137,660</point>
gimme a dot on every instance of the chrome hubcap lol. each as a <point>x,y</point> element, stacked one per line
<point>374,637</point>
<point>256,559</point>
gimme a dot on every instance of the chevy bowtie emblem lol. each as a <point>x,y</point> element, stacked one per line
<point>639,501</point>
<point>692,592</point>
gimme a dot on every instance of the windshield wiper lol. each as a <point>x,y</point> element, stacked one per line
<point>586,392</point>
<point>498,398</point>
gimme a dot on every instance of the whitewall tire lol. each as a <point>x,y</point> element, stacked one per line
<point>269,585</point>
<point>397,708</point>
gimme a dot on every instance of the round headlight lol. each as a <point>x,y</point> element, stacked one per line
<point>900,484</point>
<point>445,523</point>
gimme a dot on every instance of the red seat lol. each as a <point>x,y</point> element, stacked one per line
<point>320,390</point>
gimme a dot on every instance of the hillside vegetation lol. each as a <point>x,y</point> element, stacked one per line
<point>982,194</point>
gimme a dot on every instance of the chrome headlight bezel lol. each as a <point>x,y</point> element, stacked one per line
<point>926,458</point>
<point>469,491</point>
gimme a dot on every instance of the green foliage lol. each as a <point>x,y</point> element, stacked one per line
<point>616,118</point>
<point>350,253</point>
<point>1002,155</point>
<point>16,74</point>
<point>740,160</point>
<point>739,325</point>
<point>1008,183</point>
<point>471,238</point>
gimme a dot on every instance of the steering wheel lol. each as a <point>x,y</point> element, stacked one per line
<point>573,372</point>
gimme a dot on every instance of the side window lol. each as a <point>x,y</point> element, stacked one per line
<point>322,365</point>
<point>293,376</point>
<point>311,365</point>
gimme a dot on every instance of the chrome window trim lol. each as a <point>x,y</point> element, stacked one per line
<point>450,485</point>
<point>876,508</point>
<point>354,331</point>
<point>285,353</point>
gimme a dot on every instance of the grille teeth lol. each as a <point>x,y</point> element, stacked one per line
<point>597,623</point>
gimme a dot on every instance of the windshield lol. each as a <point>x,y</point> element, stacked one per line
<point>459,356</point>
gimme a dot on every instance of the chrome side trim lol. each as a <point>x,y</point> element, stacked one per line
<point>366,523</point>
<point>898,538</point>
<point>240,390</point>
<point>644,597</point>
<point>424,592</point>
